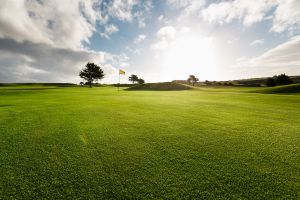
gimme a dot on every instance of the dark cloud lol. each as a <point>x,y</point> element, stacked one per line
<point>27,61</point>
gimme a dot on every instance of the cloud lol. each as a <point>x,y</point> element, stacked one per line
<point>32,62</point>
<point>160,45</point>
<point>140,38</point>
<point>167,32</point>
<point>128,10</point>
<point>58,23</point>
<point>285,15</point>
<point>249,12</point>
<point>164,35</point>
<point>108,30</point>
<point>284,58</point>
<point>68,23</point>
<point>286,54</point>
<point>121,10</point>
<point>257,42</point>
<point>187,7</point>
<point>143,12</point>
<point>46,40</point>
<point>160,18</point>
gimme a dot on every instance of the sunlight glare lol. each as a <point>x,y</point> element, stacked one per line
<point>190,54</point>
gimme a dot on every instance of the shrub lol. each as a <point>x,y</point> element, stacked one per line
<point>283,79</point>
<point>270,82</point>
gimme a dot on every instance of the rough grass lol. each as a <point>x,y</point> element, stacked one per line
<point>71,143</point>
<point>167,86</point>
<point>286,89</point>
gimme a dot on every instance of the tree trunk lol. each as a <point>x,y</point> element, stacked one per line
<point>91,83</point>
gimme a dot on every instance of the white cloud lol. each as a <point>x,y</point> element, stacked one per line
<point>15,23</point>
<point>108,30</point>
<point>164,35</point>
<point>160,18</point>
<point>44,40</point>
<point>68,23</point>
<point>58,23</point>
<point>128,10</point>
<point>187,7</point>
<point>233,40</point>
<point>257,42</point>
<point>144,12</point>
<point>286,16</point>
<point>167,32</point>
<point>140,38</point>
<point>249,12</point>
<point>160,45</point>
<point>286,54</point>
<point>284,58</point>
<point>121,10</point>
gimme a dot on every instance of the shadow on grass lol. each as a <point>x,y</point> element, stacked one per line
<point>285,89</point>
<point>28,89</point>
<point>6,105</point>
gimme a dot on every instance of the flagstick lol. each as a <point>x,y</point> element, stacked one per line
<point>119,83</point>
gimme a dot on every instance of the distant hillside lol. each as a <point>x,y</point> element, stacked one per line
<point>295,79</point>
<point>167,86</point>
<point>286,89</point>
<point>124,85</point>
<point>252,82</point>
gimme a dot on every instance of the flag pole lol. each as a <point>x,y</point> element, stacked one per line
<point>119,83</point>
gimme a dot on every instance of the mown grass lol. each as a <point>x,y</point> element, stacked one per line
<point>99,143</point>
<point>166,86</point>
<point>285,89</point>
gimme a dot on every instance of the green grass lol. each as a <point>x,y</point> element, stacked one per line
<point>70,143</point>
<point>166,86</point>
<point>285,89</point>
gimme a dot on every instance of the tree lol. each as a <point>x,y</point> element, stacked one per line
<point>141,81</point>
<point>91,72</point>
<point>283,79</point>
<point>270,82</point>
<point>189,81</point>
<point>133,78</point>
<point>192,79</point>
<point>207,82</point>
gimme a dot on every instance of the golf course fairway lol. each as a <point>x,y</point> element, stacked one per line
<point>98,143</point>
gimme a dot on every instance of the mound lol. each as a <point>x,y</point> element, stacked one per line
<point>167,86</point>
<point>286,89</point>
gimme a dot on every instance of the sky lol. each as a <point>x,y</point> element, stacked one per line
<point>52,40</point>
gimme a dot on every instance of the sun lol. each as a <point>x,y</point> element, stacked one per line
<point>191,54</point>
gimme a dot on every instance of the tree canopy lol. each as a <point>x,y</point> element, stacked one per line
<point>281,79</point>
<point>141,81</point>
<point>192,79</point>
<point>133,78</point>
<point>91,72</point>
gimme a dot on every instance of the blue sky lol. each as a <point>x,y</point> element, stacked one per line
<point>50,41</point>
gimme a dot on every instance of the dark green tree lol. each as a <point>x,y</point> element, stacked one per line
<point>192,79</point>
<point>133,78</point>
<point>270,82</point>
<point>91,72</point>
<point>141,81</point>
<point>283,79</point>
